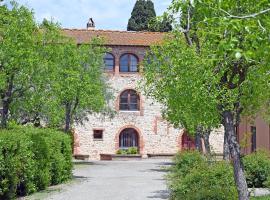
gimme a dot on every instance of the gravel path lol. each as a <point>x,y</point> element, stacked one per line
<point>116,180</point>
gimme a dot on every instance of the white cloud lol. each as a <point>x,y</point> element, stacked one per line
<point>107,14</point>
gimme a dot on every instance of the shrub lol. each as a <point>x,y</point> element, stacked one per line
<point>194,178</point>
<point>257,169</point>
<point>31,159</point>
<point>132,150</point>
<point>129,151</point>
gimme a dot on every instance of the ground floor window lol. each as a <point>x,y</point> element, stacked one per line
<point>128,138</point>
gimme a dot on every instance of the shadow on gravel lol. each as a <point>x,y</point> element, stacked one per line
<point>165,163</point>
<point>89,163</point>
<point>80,177</point>
<point>161,194</point>
<point>159,170</point>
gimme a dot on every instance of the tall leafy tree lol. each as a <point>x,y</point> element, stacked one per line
<point>141,15</point>
<point>19,36</point>
<point>219,73</point>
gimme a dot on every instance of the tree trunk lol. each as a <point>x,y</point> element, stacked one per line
<point>238,168</point>
<point>6,100</point>
<point>4,116</point>
<point>205,137</point>
<point>198,141</point>
<point>226,149</point>
<point>68,117</point>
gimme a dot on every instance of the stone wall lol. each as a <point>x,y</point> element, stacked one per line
<point>156,135</point>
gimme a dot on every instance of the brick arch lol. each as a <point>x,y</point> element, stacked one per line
<point>132,53</point>
<point>140,137</point>
<point>141,106</point>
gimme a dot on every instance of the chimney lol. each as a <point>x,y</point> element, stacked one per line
<point>90,24</point>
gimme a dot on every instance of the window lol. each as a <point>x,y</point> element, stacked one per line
<point>129,63</point>
<point>129,100</point>
<point>253,138</point>
<point>98,134</point>
<point>109,62</point>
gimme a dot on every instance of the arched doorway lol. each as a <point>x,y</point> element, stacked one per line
<point>129,137</point>
<point>188,143</point>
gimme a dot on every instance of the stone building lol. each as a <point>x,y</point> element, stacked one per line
<point>137,122</point>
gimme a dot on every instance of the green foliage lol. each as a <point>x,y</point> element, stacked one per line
<point>32,159</point>
<point>261,198</point>
<point>45,76</point>
<point>218,70</point>
<point>132,150</point>
<point>141,15</point>
<point>161,24</point>
<point>129,151</point>
<point>257,169</point>
<point>19,59</point>
<point>193,178</point>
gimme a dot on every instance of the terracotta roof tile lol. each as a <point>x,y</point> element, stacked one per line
<point>122,38</point>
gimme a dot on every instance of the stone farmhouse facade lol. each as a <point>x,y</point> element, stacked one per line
<point>138,120</point>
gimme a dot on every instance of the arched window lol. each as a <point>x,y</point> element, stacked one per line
<point>109,62</point>
<point>129,63</point>
<point>188,143</point>
<point>128,138</point>
<point>129,100</point>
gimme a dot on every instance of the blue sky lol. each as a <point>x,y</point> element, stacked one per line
<point>107,14</point>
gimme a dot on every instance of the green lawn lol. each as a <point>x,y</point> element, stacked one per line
<point>261,198</point>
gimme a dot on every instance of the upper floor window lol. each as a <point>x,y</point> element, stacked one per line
<point>129,63</point>
<point>129,100</point>
<point>109,62</point>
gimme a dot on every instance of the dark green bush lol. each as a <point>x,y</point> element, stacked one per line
<point>31,159</point>
<point>257,169</point>
<point>194,178</point>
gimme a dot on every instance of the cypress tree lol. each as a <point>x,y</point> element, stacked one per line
<point>141,15</point>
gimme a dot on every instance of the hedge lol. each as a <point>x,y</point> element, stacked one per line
<point>257,169</point>
<point>31,159</point>
<point>193,177</point>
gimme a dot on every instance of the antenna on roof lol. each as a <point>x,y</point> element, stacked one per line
<point>90,24</point>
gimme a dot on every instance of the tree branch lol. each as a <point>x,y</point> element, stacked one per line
<point>246,16</point>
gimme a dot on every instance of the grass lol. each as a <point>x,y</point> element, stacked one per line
<point>261,198</point>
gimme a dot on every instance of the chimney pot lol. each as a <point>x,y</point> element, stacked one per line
<point>90,24</point>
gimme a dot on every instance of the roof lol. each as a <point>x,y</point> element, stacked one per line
<point>121,38</point>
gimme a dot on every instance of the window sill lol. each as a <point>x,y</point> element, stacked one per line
<point>129,73</point>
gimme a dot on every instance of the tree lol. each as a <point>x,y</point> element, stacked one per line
<point>80,87</point>
<point>219,73</point>
<point>141,15</point>
<point>69,86</point>
<point>161,23</point>
<point>19,59</point>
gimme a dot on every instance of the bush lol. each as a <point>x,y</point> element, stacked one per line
<point>194,178</point>
<point>132,150</point>
<point>31,159</point>
<point>257,169</point>
<point>129,151</point>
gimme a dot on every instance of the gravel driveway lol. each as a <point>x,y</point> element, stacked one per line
<point>115,180</point>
